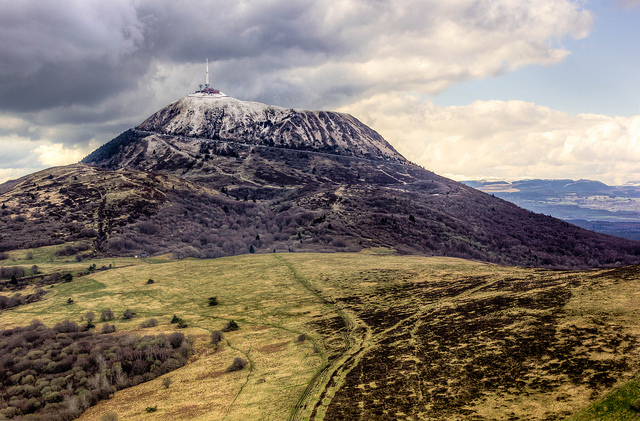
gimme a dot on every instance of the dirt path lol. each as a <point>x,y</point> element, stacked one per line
<point>318,393</point>
<point>359,340</point>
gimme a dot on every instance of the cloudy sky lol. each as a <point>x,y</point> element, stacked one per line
<point>465,88</point>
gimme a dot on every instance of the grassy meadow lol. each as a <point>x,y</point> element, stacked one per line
<point>385,336</point>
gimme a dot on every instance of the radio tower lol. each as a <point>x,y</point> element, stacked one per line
<point>206,79</point>
<point>207,90</point>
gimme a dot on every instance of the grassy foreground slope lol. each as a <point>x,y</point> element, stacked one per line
<point>387,337</point>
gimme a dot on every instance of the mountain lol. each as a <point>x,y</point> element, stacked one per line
<point>253,123</point>
<point>209,176</point>
<point>613,210</point>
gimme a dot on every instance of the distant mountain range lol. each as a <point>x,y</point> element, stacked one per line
<point>216,176</point>
<point>613,210</point>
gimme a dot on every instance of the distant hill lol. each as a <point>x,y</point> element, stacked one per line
<point>209,177</point>
<point>593,205</point>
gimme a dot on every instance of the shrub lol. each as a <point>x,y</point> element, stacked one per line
<point>151,408</point>
<point>107,328</point>
<point>109,416</point>
<point>176,339</point>
<point>166,382</point>
<point>150,281</point>
<point>238,364</point>
<point>70,301</point>
<point>78,368</point>
<point>67,251</point>
<point>149,323</point>
<point>66,326</point>
<point>90,316</point>
<point>301,337</point>
<point>4,256</point>
<point>12,272</point>
<point>231,326</point>
<point>53,397</point>
<point>213,301</point>
<point>175,319</point>
<point>216,337</point>
<point>128,314</point>
<point>107,315</point>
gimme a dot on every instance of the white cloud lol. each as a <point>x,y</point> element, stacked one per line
<point>510,139</point>
<point>56,154</point>
<point>414,45</point>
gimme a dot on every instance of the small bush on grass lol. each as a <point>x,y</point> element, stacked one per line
<point>107,315</point>
<point>238,364</point>
<point>216,337</point>
<point>213,301</point>
<point>166,382</point>
<point>181,323</point>
<point>107,328</point>
<point>149,323</point>
<point>231,326</point>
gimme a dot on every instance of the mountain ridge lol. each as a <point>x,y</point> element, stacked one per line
<point>230,119</point>
<point>613,210</point>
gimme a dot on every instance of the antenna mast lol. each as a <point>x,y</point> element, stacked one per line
<point>206,82</point>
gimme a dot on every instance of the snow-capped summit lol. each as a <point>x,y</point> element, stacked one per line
<point>217,116</point>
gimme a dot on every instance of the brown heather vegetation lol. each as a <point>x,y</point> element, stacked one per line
<point>156,213</point>
<point>57,373</point>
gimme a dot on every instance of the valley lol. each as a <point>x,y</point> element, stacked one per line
<point>592,205</point>
<point>369,335</point>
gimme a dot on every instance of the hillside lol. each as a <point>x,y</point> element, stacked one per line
<point>368,335</point>
<point>269,178</point>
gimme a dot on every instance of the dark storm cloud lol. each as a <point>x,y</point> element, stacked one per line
<point>227,30</point>
<point>64,84</point>
<point>56,53</point>
<point>66,52</point>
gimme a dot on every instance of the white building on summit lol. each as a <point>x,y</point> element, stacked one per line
<point>206,90</point>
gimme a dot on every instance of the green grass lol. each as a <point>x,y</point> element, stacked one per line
<point>614,406</point>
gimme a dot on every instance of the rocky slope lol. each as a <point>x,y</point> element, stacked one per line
<point>233,177</point>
